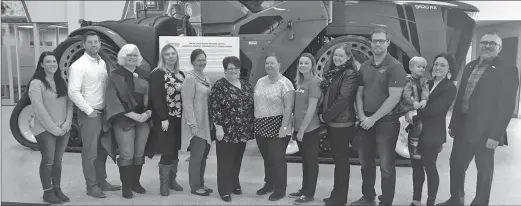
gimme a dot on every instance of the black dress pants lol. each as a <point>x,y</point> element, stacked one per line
<point>273,151</point>
<point>426,165</point>
<point>309,151</point>
<point>229,159</point>
<point>340,139</point>
<point>463,151</point>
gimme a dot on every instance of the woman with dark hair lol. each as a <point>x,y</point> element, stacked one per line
<point>434,131</point>
<point>196,121</point>
<point>166,82</point>
<point>274,98</point>
<point>307,124</point>
<point>339,85</point>
<point>231,109</point>
<point>127,113</point>
<point>51,123</point>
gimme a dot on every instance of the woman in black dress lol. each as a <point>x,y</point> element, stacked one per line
<point>231,109</point>
<point>165,98</point>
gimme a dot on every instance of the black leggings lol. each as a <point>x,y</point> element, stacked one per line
<point>169,159</point>
<point>420,167</point>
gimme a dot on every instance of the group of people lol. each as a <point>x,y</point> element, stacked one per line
<point>141,113</point>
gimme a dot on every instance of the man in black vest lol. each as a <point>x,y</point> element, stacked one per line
<point>483,108</point>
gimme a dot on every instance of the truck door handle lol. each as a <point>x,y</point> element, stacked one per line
<point>291,31</point>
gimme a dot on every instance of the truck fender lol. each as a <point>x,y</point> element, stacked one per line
<point>366,30</point>
<point>109,33</point>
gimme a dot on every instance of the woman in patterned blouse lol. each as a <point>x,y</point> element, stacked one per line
<point>165,98</point>
<point>273,99</point>
<point>231,109</point>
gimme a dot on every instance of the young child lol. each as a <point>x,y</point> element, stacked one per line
<point>414,97</point>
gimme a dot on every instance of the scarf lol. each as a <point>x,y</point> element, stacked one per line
<point>330,75</point>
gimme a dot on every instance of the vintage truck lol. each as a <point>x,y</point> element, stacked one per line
<point>419,28</point>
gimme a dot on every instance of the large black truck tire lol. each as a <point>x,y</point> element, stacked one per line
<point>66,53</point>
<point>361,49</point>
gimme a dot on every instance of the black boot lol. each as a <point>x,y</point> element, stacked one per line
<point>164,172</point>
<point>125,174</point>
<point>58,192</point>
<point>50,197</point>
<point>173,174</point>
<point>136,186</point>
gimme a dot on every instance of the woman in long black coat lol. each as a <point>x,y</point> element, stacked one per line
<point>165,95</point>
<point>434,131</point>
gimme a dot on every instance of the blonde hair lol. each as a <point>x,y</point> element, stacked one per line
<point>299,78</point>
<point>416,60</point>
<point>127,49</point>
<point>161,60</point>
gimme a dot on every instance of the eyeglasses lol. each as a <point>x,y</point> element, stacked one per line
<point>381,41</point>
<point>233,68</point>
<point>132,55</point>
<point>440,65</point>
<point>491,43</point>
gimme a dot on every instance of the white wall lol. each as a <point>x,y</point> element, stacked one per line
<point>72,11</point>
<point>497,10</point>
<point>47,11</point>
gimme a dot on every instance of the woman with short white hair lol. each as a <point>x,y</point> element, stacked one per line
<point>127,113</point>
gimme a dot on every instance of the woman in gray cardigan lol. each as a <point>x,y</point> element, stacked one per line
<point>51,123</point>
<point>196,121</point>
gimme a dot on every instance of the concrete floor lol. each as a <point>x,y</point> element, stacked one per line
<point>20,180</point>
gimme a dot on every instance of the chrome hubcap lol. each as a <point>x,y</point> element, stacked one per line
<point>25,121</point>
<point>71,54</point>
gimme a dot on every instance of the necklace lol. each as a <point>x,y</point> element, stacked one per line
<point>201,79</point>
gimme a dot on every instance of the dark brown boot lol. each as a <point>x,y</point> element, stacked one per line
<point>164,172</point>
<point>173,174</point>
<point>125,174</point>
<point>136,175</point>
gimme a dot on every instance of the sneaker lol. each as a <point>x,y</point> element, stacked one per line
<point>297,194</point>
<point>364,201</point>
<point>264,190</point>
<point>106,186</point>
<point>207,189</point>
<point>96,192</point>
<point>276,197</point>
<point>200,192</point>
<point>226,198</point>
<point>303,199</point>
<point>237,191</point>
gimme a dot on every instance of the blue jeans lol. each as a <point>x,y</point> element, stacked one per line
<point>52,149</point>
<point>380,138</point>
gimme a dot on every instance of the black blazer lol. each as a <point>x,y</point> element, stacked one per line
<point>491,104</point>
<point>433,116</point>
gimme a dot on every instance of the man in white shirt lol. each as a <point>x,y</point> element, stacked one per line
<point>87,81</point>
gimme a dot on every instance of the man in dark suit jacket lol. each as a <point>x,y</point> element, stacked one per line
<point>482,110</point>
